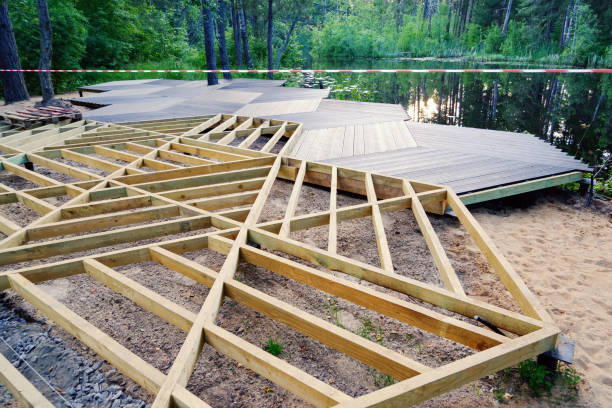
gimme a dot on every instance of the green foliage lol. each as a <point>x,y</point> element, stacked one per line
<point>517,40</point>
<point>332,309</point>
<point>274,346</point>
<point>473,38</point>
<point>380,379</point>
<point>583,40</point>
<point>537,377</point>
<point>69,28</point>
<point>493,39</point>
<point>366,327</point>
<point>604,187</point>
<point>349,37</point>
<point>564,382</point>
<point>499,394</point>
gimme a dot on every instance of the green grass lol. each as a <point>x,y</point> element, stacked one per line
<point>274,346</point>
<point>540,380</point>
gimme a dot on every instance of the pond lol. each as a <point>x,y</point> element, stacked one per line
<point>570,110</point>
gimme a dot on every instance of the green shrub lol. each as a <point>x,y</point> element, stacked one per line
<point>493,39</point>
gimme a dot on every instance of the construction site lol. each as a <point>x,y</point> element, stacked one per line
<point>262,246</point>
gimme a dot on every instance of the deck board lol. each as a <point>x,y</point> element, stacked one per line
<point>368,136</point>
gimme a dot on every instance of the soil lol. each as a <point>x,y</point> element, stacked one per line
<point>222,382</point>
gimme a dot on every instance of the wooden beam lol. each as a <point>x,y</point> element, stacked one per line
<point>447,272</point>
<point>148,299</point>
<point>520,188</point>
<point>453,375</point>
<point>379,228</point>
<point>121,358</point>
<point>101,239</point>
<point>231,187</point>
<point>275,138</point>
<point>366,351</point>
<point>527,301</point>
<point>293,200</point>
<point>418,316</point>
<point>443,298</point>
<point>303,385</point>
<point>19,386</point>
<point>332,239</point>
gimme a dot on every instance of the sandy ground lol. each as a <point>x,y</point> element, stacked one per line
<point>564,253</point>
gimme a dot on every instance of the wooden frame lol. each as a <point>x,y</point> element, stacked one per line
<point>209,172</point>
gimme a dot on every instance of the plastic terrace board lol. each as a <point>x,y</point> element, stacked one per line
<point>109,184</point>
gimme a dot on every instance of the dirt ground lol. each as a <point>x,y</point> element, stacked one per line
<point>568,246</point>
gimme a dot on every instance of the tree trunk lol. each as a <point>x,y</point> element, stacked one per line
<point>12,82</point>
<point>495,94</point>
<point>601,97</point>
<point>564,27</point>
<point>46,50</point>
<point>222,44</point>
<point>571,31</point>
<point>461,90</point>
<point>425,9</point>
<point>400,14</point>
<point>471,8</point>
<point>270,35</point>
<point>464,13</point>
<point>245,36</point>
<point>417,104</point>
<point>507,18</point>
<point>440,93</point>
<point>236,31</point>
<point>180,14</point>
<point>449,17</point>
<point>209,43</point>
<point>281,50</point>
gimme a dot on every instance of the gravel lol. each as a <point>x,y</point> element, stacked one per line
<point>71,379</point>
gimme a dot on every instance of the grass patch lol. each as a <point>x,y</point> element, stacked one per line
<point>274,346</point>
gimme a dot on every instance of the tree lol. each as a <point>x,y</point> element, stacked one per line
<point>46,50</point>
<point>12,82</point>
<point>282,48</point>
<point>209,43</point>
<point>222,44</point>
<point>270,34</point>
<point>245,36</point>
<point>507,18</point>
<point>236,33</point>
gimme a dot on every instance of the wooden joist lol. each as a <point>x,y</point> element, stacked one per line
<point>161,179</point>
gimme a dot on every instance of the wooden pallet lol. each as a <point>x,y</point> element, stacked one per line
<point>186,170</point>
<point>28,117</point>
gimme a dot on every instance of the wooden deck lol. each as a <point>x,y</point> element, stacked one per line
<point>367,136</point>
<point>467,159</point>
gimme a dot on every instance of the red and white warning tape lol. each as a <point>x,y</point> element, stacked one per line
<point>331,71</point>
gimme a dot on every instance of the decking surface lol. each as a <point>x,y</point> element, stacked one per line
<point>467,159</point>
<point>368,136</point>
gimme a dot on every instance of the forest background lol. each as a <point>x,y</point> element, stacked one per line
<point>573,112</point>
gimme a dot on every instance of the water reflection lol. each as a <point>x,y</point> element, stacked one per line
<point>573,111</point>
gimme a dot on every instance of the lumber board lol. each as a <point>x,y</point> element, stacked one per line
<point>197,183</point>
<point>19,386</point>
